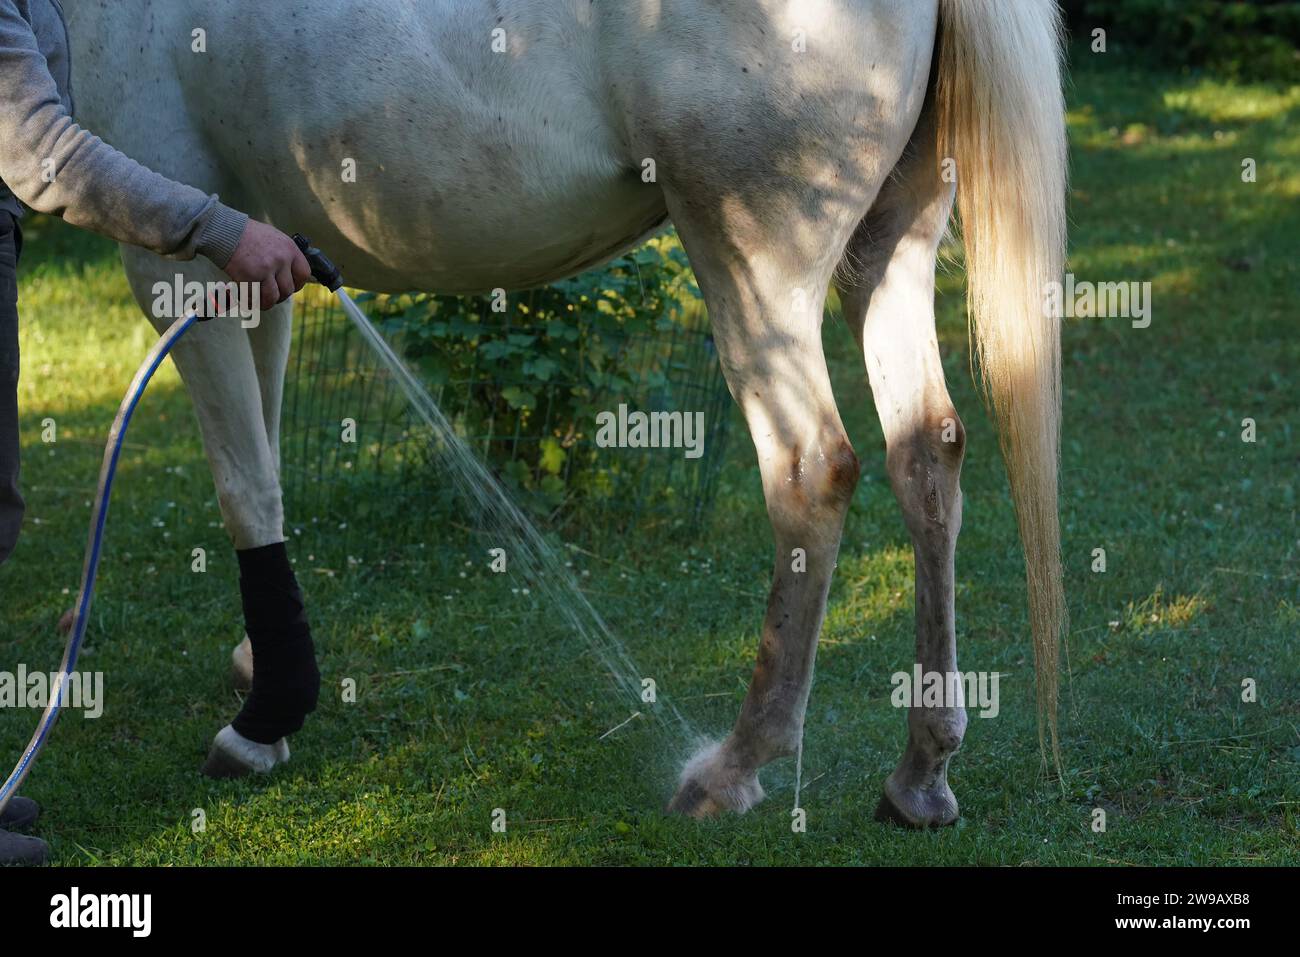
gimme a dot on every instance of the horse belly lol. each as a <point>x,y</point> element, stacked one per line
<point>414,154</point>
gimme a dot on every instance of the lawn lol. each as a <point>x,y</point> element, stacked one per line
<point>472,696</point>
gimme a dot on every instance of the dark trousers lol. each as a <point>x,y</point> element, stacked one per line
<point>11,500</point>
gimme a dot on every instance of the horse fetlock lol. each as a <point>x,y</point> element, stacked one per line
<point>917,793</point>
<point>716,780</point>
<point>936,732</point>
<point>757,743</point>
<point>285,690</point>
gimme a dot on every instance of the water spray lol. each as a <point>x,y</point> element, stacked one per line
<point>530,554</point>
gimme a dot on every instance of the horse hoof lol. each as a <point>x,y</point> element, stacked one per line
<point>918,810</point>
<point>241,665</point>
<point>709,786</point>
<point>233,756</point>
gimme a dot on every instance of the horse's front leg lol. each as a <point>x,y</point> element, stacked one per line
<point>232,380</point>
<point>270,341</point>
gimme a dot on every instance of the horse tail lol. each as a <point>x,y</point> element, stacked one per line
<point>1001,117</point>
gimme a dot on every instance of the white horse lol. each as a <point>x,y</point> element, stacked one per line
<point>506,143</point>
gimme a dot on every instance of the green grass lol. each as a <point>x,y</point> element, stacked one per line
<point>472,699</point>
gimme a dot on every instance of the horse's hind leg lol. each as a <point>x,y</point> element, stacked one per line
<point>765,304</point>
<point>887,289</point>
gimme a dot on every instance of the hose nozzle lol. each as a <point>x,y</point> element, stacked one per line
<point>322,270</point>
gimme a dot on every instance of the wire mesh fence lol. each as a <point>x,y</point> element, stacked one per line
<point>360,482</point>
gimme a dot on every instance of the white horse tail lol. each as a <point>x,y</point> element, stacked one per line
<point>1001,116</point>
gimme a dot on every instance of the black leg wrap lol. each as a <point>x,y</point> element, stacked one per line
<point>286,681</point>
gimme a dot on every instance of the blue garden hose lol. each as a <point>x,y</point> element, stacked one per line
<point>108,471</point>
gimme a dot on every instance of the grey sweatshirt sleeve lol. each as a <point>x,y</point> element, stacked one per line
<point>94,186</point>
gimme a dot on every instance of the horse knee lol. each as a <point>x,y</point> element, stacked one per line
<point>842,472</point>
<point>817,482</point>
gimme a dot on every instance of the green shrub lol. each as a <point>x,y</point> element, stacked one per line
<point>524,383</point>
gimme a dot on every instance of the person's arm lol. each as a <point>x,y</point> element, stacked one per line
<point>93,185</point>
<point>100,189</point>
